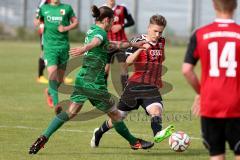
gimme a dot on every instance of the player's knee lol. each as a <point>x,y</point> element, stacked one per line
<point>154,109</point>
<point>123,114</point>
<point>74,109</point>
<point>115,115</point>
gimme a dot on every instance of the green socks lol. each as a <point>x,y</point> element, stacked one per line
<point>56,123</point>
<point>122,129</point>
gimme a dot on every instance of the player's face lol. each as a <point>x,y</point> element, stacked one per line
<point>155,32</point>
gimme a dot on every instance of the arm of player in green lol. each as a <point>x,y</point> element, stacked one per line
<point>80,50</point>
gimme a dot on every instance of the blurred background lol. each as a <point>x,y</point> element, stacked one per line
<point>16,17</point>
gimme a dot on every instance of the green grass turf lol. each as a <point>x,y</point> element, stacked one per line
<point>24,115</point>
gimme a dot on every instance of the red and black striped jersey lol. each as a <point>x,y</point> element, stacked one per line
<point>148,65</point>
<point>120,14</point>
<point>217,46</point>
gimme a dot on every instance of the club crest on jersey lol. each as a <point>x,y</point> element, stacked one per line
<point>116,18</point>
<point>62,12</point>
<point>160,45</point>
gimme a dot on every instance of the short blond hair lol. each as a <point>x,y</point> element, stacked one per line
<point>225,5</point>
<point>158,20</point>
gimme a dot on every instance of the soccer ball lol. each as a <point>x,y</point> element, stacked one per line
<point>179,141</point>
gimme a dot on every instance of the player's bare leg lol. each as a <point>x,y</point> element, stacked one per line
<point>218,157</point>
<point>237,157</point>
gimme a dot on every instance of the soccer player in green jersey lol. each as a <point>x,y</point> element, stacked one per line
<point>58,19</point>
<point>90,83</point>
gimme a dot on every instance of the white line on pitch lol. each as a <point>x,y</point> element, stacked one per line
<point>75,131</point>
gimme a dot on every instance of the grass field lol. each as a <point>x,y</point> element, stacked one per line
<point>24,115</point>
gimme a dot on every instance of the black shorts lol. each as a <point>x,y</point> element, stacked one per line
<point>216,132</point>
<point>136,94</point>
<point>119,54</point>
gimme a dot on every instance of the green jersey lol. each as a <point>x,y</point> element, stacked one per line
<point>95,60</point>
<point>53,16</point>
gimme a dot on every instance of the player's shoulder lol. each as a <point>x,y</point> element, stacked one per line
<point>66,5</point>
<point>95,30</point>
<point>204,27</point>
<point>215,26</point>
<point>44,6</point>
<point>122,5</point>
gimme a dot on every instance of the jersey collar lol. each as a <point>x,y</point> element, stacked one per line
<point>220,20</point>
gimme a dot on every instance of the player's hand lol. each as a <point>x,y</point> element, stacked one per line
<point>196,106</point>
<point>76,51</point>
<point>139,44</point>
<point>116,28</point>
<point>41,28</point>
<point>36,22</point>
<point>61,28</point>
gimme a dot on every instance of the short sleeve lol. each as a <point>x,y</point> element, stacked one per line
<point>39,12</point>
<point>71,12</point>
<point>100,35</point>
<point>191,52</point>
<point>41,3</point>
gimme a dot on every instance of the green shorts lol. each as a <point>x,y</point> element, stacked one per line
<point>54,56</point>
<point>97,94</point>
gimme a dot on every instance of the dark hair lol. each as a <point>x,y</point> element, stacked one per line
<point>100,13</point>
<point>158,20</point>
<point>225,5</point>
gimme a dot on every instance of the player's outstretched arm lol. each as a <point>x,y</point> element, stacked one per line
<point>80,50</point>
<point>124,45</point>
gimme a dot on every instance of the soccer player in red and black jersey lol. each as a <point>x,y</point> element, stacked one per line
<point>217,46</point>
<point>122,20</point>
<point>143,86</point>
